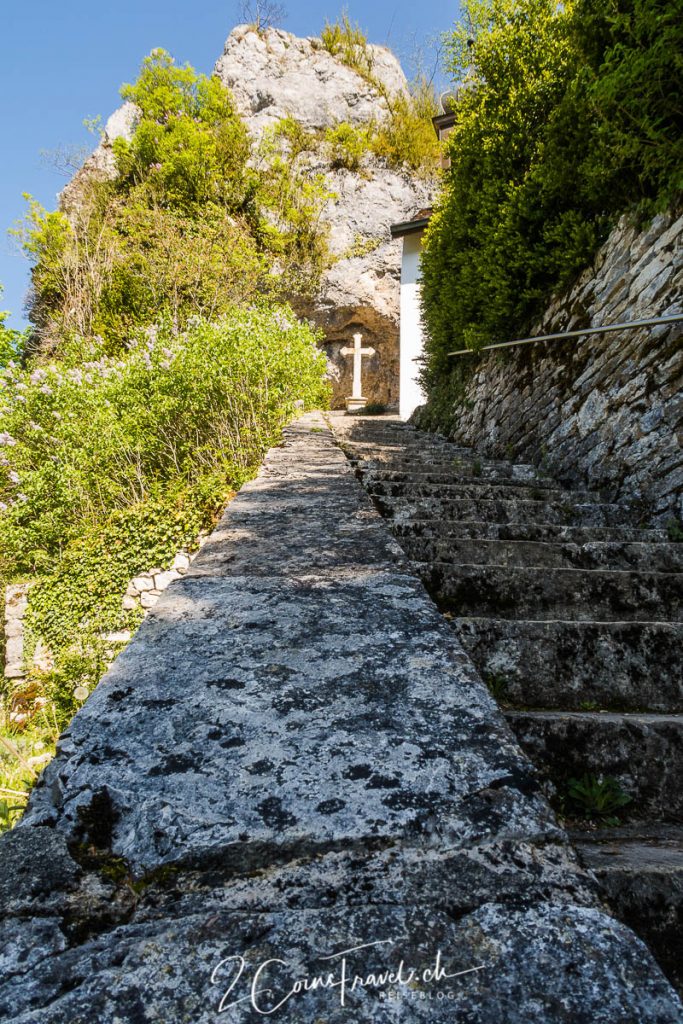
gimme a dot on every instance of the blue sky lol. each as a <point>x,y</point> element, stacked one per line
<point>64,61</point>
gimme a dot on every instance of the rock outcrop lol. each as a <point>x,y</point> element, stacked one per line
<point>273,74</point>
<point>101,162</point>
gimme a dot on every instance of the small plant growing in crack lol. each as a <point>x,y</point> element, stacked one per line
<point>477,468</point>
<point>674,529</point>
<point>497,686</point>
<point>597,797</point>
<point>371,409</point>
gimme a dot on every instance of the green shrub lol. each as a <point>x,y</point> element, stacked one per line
<point>405,138</point>
<point>571,119</point>
<point>189,226</point>
<point>347,145</point>
<point>89,435</point>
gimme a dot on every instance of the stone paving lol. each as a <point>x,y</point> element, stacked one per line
<point>295,758</point>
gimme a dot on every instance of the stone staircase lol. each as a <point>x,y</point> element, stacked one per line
<point>572,613</point>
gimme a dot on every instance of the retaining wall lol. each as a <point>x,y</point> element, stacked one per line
<point>607,411</point>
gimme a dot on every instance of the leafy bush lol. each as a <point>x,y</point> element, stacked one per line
<point>188,226</point>
<point>571,118</point>
<point>347,145</point>
<point>407,138</point>
<point>91,434</point>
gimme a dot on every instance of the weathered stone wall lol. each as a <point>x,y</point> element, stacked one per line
<point>16,601</point>
<point>605,411</point>
<point>293,758</point>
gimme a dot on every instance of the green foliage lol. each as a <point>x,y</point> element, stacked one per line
<point>21,759</point>
<point>187,227</point>
<point>597,797</point>
<point>404,139</point>
<point>407,138</point>
<point>189,147</point>
<point>291,228</point>
<point>571,117</point>
<point>11,342</point>
<point>634,92</point>
<point>347,145</point>
<point>349,43</point>
<point>361,246</point>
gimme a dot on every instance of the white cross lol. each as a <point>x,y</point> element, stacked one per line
<point>357,352</point>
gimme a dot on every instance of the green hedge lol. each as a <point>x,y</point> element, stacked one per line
<point>572,116</point>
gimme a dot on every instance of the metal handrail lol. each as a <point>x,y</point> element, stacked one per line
<point>629,325</point>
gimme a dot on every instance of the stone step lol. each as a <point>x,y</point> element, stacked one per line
<point>454,471</point>
<point>501,511</point>
<point>537,593</point>
<point>640,871</point>
<point>481,490</point>
<point>620,666</point>
<point>552,533</point>
<point>642,752</point>
<point>410,454</point>
<point>405,442</point>
<point>603,554</point>
<point>414,457</point>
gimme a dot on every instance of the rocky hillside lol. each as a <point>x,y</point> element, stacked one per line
<point>274,76</point>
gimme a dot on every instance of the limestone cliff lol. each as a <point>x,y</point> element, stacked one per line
<point>274,74</point>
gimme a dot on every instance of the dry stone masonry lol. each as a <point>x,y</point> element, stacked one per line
<point>606,411</point>
<point>142,592</point>
<point>16,602</point>
<point>293,759</point>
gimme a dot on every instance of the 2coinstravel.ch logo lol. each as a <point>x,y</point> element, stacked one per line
<point>271,984</point>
